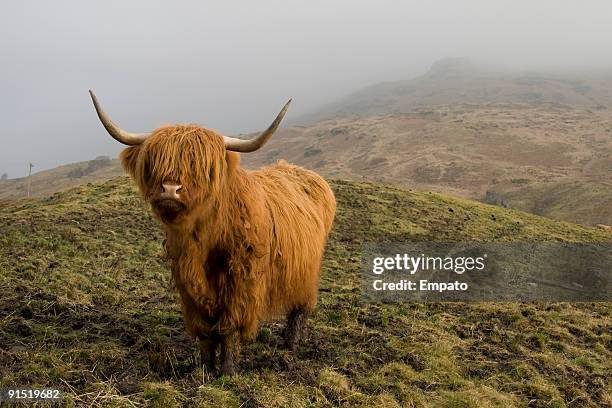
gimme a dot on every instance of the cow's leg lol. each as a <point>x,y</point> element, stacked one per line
<point>208,352</point>
<point>230,349</point>
<point>295,326</point>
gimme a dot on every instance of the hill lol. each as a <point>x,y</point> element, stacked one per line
<point>460,80</point>
<point>516,151</point>
<point>582,201</point>
<point>47,182</point>
<point>86,306</point>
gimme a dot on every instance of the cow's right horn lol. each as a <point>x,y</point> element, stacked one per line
<point>115,131</point>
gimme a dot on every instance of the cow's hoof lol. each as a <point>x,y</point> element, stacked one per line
<point>227,371</point>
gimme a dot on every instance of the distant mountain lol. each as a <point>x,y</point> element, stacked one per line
<point>459,80</point>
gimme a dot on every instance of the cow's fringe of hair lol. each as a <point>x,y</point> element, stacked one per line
<point>186,154</point>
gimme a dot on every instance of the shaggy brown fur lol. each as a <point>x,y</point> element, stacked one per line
<point>245,245</point>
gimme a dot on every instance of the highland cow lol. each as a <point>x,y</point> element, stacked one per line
<point>243,245</point>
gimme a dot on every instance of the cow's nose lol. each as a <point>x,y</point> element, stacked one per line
<point>171,190</point>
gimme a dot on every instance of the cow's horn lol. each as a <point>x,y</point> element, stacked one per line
<point>250,145</point>
<point>115,131</point>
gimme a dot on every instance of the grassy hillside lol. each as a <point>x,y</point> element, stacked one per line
<point>86,306</point>
<point>586,203</point>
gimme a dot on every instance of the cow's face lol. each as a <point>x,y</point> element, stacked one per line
<point>177,169</point>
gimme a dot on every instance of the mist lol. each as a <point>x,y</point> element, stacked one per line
<point>232,66</point>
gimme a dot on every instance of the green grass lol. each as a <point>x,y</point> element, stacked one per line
<point>86,305</point>
<point>584,202</point>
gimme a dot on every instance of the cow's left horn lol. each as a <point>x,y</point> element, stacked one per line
<point>115,131</point>
<point>250,145</point>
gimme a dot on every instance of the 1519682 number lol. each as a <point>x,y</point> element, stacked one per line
<point>12,394</point>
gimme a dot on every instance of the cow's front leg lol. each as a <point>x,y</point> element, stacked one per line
<point>230,350</point>
<point>208,352</point>
<point>295,328</point>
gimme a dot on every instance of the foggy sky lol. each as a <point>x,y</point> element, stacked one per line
<point>231,66</point>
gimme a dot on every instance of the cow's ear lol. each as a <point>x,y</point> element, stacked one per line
<point>129,159</point>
